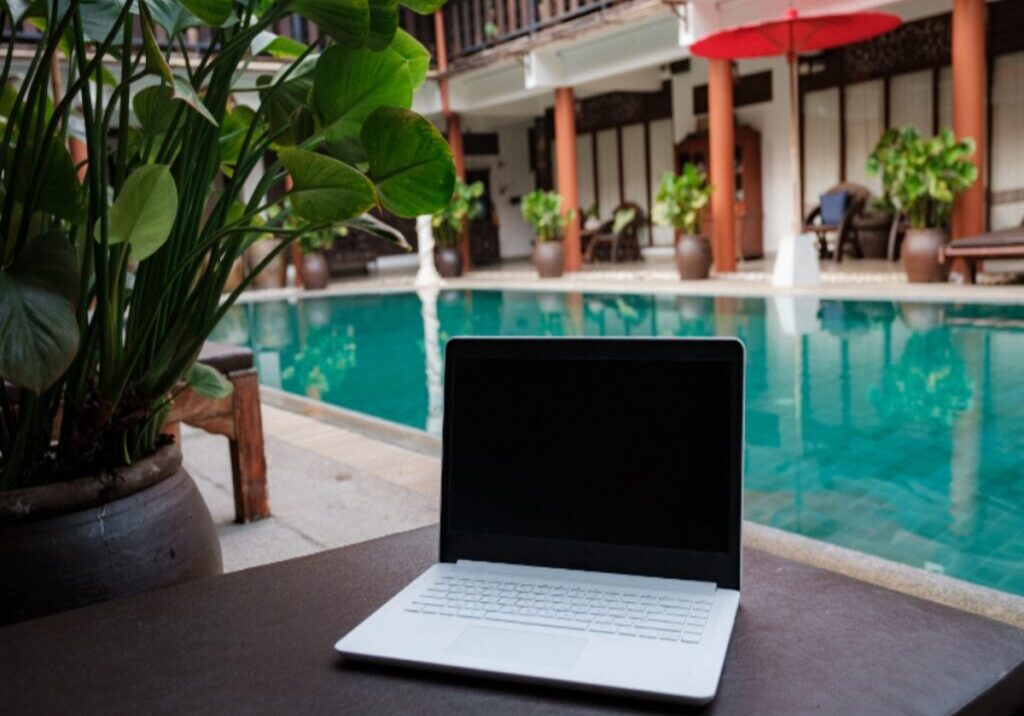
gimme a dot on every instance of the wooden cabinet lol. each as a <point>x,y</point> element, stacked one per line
<point>749,210</point>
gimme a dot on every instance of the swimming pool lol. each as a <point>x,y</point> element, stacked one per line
<point>896,429</point>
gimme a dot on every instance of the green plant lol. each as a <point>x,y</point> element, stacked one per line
<point>312,239</point>
<point>542,210</point>
<point>681,199</point>
<point>112,265</point>
<point>921,177</point>
<point>622,219</point>
<point>465,205</point>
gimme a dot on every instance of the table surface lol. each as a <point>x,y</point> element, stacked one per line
<point>261,641</point>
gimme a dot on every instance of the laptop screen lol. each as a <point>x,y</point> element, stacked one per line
<point>631,453</point>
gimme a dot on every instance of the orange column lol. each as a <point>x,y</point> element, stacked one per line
<point>969,104</point>
<point>567,181</point>
<point>723,175</point>
<point>452,120</point>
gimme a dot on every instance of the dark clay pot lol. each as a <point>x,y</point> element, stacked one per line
<point>549,258</point>
<point>97,538</point>
<point>448,261</point>
<point>693,257</point>
<point>920,253</point>
<point>315,274</point>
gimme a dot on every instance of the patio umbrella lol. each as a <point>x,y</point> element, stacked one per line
<point>791,35</point>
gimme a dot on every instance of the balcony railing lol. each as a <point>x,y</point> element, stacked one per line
<point>470,25</point>
<point>474,25</point>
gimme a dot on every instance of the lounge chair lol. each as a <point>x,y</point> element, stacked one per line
<point>623,245</point>
<point>1003,244</point>
<point>834,215</point>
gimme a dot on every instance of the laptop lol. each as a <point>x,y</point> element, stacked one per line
<point>590,518</point>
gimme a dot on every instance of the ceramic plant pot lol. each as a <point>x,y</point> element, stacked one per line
<point>549,258</point>
<point>74,543</point>
<point>693,257</point>
<point>448,261</point>
<point>315,274</point>
<point>920,254</point>
<point>273,276</point>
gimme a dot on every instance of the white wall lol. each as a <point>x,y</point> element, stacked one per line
<point>771,119</point>
<point>510,178</point>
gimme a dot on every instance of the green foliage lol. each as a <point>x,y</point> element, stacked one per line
<point>921,177</point>
<point>622,219</point>
<point>465,205</point>
<point>112,266</point>
<point>542,210</point>
<point>208,382</point>
<point>681,199</point>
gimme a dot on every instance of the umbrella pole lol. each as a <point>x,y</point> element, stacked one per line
<point>794,145</point>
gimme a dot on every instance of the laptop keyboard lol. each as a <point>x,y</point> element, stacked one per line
<point>630,613</point>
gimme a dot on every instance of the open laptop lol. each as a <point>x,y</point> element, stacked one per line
<point>590,518</point>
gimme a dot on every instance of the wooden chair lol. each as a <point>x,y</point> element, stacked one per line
<point>1004,244</point>
<point>238,418</point>
<point>624,245</point>
<point>856,199</point>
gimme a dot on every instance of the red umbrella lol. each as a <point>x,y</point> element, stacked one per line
<point>790,35</point>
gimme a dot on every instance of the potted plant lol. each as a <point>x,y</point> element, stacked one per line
<point>542,210</point>
<point>921,177</point>
<point>314,270</point>
<point>680,203</point>
<point>450,221</point>
<point>112,263</point>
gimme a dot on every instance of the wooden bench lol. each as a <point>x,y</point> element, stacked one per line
<point>1004,244</point>
<point>238,418</point>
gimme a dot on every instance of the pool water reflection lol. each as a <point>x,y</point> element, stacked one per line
<point>895,429</point>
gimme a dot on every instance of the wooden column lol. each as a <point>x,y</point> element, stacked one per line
<point>969,103</point>
<point>723,175</point>
<point>567,181</point>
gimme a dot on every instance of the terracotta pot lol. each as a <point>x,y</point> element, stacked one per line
<point>273,276</point>
<point>920,253</point>
<point>549,258</point>
<point>315,274</point>
<point>693,257</point>
<point>448,261</point>
<point>70,544</point>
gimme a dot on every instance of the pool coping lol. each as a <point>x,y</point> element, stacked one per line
<point>946,293</point>
<point>951,591</point>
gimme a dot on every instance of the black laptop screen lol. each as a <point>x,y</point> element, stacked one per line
<point>602,451</point>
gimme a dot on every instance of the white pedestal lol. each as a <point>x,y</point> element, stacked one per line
<point>427,274</point>
<point>796,263</point>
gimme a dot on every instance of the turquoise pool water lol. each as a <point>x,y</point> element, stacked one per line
<point>894,429</point>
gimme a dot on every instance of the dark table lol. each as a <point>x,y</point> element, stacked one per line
<point>260,641</point>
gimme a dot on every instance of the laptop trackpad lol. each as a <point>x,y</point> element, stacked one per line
<point>522,646</point>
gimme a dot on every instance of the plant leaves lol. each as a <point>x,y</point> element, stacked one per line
<point>214,12</point>
<point>144,212</point>
<point>415,54</point>
<point>14,8</point>
<point>326,190</point>
<point>423,7</point>
<point>208,382</point>
<point>410,162</point>
<point>155,61</point>
<point>171,15</point>
<point>370,224</point>
<point>290,95</point>
<point>60,193</point>
<point>233,130</point>
<point>37,314</point>
<point>383,23</point>
<point>348,85</point>
<point>276,46</point>
<point>184,91</point>
<point>346,21</point>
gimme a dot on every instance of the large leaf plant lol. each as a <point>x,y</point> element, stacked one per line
<point>112,267</point>
<point>682,199</point>
<point>921,177</point>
